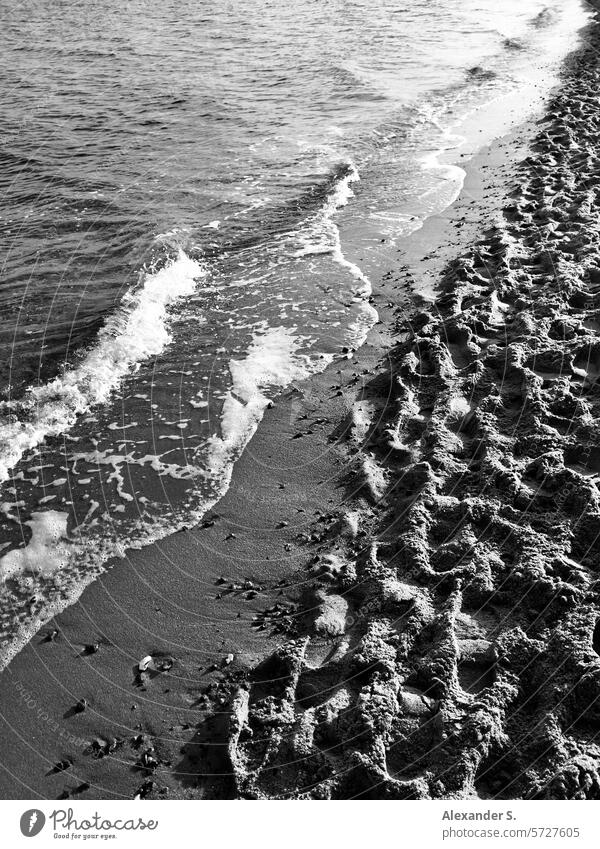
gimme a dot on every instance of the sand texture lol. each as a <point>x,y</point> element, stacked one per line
<point>449,637</point>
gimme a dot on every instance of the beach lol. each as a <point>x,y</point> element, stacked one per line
<point>396,598</point>
<point>163,599</point>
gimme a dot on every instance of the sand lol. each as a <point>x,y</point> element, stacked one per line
<point>469,667</point>
<point>396,598</point>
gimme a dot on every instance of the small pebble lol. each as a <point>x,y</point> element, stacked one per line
<point>148,760</point>
<point>144,790</point>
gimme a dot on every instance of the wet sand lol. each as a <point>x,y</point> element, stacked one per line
<point>165,598</point>
<point>396,597</point>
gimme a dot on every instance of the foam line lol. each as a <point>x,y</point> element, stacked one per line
<point>139,330</point>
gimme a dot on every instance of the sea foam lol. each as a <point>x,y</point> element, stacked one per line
<point>321,236</point>
<point>139,330</point>
<point>46,551</point>
<point>272,361</point>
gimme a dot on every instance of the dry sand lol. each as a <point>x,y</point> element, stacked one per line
<point>396,598</point>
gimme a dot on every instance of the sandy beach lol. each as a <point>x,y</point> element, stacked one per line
<point>289,491</point>
<point>397,597</point>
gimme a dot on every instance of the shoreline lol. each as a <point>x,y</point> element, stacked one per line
<point>336,649</point>
<point>119,609</point>
<point>461,605</point>
<point>41,581</point>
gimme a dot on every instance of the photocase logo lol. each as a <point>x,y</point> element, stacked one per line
<point>32,822</point>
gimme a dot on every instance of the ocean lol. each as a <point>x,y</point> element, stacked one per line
<point>197,200</point>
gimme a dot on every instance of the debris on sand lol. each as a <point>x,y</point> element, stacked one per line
<point>148,760</point>
<point>144,789</point>
<point>145,663</point>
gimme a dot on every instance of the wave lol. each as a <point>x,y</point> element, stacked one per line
<point>479,73</point>
<point>276,357</point>
<point>514,43</point>
<point>544,18</point>
<point>46,551</point>
<point>320,235</point>
<point>139,330</point>
<point>272,361</point>
<point>72,561</point>
<point>351,81</point>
